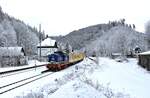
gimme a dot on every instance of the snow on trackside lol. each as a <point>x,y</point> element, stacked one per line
<point>30,64</point>
<point>108,79</point>
<point>115,79</point>
<point>126,77</point>
<point>76,89</point>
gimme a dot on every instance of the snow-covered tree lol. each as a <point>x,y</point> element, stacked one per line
<point>3,40</point>
<point>120,39</point>
<point>147,31</point>
<point>26,37</point>
<point>9,33</point>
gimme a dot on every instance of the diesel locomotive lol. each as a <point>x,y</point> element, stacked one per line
<point>61,60</point>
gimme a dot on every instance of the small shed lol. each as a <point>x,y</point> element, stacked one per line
<point>47,46</point>
<point>144,60</point>
<point>12,56</point>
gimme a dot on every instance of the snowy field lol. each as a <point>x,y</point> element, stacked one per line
<point>87,79</point>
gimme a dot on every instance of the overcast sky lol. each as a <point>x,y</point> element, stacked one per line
<point>59,17</point>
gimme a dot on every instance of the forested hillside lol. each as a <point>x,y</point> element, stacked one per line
<point>14,32</point>
<point>119,39</point>
<point>104,39</point>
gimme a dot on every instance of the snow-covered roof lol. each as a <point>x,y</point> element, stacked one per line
<point>116,53</point>
<point>47,42</point>
<point>145,53</point>
<point>11,51</point>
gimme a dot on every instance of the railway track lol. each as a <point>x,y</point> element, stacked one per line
<point>17,71</point>
<point>20,83</point>
<point>92,59</point>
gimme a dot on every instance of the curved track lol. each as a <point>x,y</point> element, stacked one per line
<point>17,84</point>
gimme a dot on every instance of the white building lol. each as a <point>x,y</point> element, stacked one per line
<point>47,46</point>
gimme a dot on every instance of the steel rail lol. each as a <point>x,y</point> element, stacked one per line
<point>15,70</point>
<point>23,83</point>
<point>14,73</point>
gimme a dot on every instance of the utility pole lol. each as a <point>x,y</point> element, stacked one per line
<point>40,39</point>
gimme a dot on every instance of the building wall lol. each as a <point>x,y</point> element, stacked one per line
<point>144,61</point>
<point>6,61</point>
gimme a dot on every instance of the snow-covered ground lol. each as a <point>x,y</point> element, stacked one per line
<point>30,64</point>
<point>87,79</point>
<point>127,77</point>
